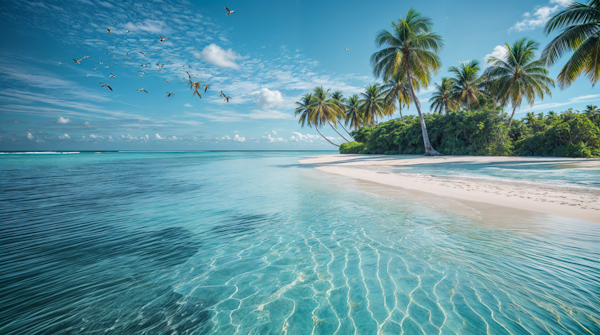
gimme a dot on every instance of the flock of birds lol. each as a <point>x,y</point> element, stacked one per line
<point>194,85</point>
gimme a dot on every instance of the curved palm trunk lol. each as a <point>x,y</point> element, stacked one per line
<point>511,116</point>
<point>341,124</point>
<point>400,109</point>
<point>337,131</point>
<point>429,150</point>
<point>326,137</point>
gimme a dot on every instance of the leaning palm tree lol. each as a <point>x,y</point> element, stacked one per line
<point>353,117</point>
<point>338,98</point>
<point>580,33</point>
<point>326,109</point>
<point>396,89</point>
<point>307,116</point>
<point>519,75</point>
<point>411,47</point>
<point>467,84</point>
<point>441,100</point>
<point>373,105</point>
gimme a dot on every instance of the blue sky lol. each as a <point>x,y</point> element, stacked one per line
<point>265,56</point>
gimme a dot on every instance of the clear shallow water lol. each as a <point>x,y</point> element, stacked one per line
<point>557,173</point>
<point>250,243</point>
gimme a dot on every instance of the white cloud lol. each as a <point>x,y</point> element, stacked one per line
<point>226,137</point>
<point>29,136</point>
<point>238,138</point>
<point>188,105</point>
<point>540,16</point>
<point>158,137</point>
<point>299,137</point>
<point>64,137</point>
<point>268,138</point>
<point>87,123</point>
<point>173,138</point>
<point>274,132</point>
<point>266,98</point>
<point>499,52</point>
<point>214,54</point>
<point>92,136</point>
<point>151,26</point>
<point>579,99</point>
<point>62,120</point>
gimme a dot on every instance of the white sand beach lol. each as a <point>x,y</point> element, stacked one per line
<point>561,200</point>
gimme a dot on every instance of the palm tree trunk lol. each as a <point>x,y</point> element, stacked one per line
<point>326,137</point>
<point>400,109</point>
<point>341,124</point>
<point>511,116</point>
<point>429,150</point>
<point>337,131</point>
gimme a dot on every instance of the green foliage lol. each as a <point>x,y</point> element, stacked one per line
<point>484,132</point>
<point>570,135</point>
<point>352,148</point>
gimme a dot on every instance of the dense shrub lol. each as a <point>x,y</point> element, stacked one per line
<point>484,132</point>
<point>352,148</point>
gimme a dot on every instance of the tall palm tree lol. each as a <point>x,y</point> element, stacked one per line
<point>326,109</point>
<point>396,89</point>
<point>373,105</point>
<point>592,110</point>
<point>467,85</point>
<point>519,75</point>
<point>441,100</point>
<point>580,33</point>
<point>339,100</point>
<point>308,116</point>
<point>411,47</point>
<point>353,117</point>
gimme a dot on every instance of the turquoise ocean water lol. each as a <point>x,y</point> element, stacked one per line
<point>253,243</point>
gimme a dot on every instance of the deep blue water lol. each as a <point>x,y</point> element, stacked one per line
<point>252,243</point>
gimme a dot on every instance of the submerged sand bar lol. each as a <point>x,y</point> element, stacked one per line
<point>581,203</point>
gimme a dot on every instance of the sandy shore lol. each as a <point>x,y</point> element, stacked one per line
<point>572,202</point>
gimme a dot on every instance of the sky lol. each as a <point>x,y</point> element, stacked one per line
<point>265,56</point>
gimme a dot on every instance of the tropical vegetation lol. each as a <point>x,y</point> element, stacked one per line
<point>468,107</point>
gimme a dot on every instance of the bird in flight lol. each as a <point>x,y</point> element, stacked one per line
<point>108,53</point>
<point>112,75</point>
<point>169,60</point>
<point>346,49</point>
<point>196,86</point>
<point>152,53</point>
<point>229,11</point>
<point>169,94</point>
<point>104,85</point>
<point>224,96</point>
<point>205,87</point>
<point>143,54</point>
<point>107,66</point>
<point>128,31</point>
<point>88,75</point>
<point>142,90</point>
<point>167,80</point>
<point>100,63</point>
<point>94,69</point>
<point>162,39</point>
<point>189,75</point>
<point>108,31</point>
<point>127,54</point>
<point>59,63</point>
<point>77,61</point>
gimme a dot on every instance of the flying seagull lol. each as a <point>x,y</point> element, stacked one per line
<point>128,31</point>
<point>104,85</point>
<point>112,75</point>
<point>167,80</point>
<point>169,94</point>
<point>162,39</point>
<point>59,63</point>
<point>169,60</point>
<point>142,90</point>
<point>108,53</point>
<point>205,87</point>
<point>100,63</point>
<point>346,49</point>
<point>107,66</point>
<point>77,61</point>
<point>94,69</point>
<point>229,11</point>
<point>152,53</point>
<point>142,53</point>
<point>224,96</point>
<point>108,31</point>
<point>88,75</point>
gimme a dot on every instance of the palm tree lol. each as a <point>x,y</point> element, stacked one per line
<point>467,85</point>
<point>592,110</point>
<point>580,33</point>
<point>397,90</point>
<point>411,47</point>
<point>519,75</point>
<point>353,116</point>
<point>373,105</point>
<point>441,100</point>
<point>308,116</point>
<point>339,100</point>
<point>325,109</point>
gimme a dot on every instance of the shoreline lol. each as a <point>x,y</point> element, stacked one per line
<point>572,202</point>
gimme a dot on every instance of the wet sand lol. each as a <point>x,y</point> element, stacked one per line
<point>573,202</point>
